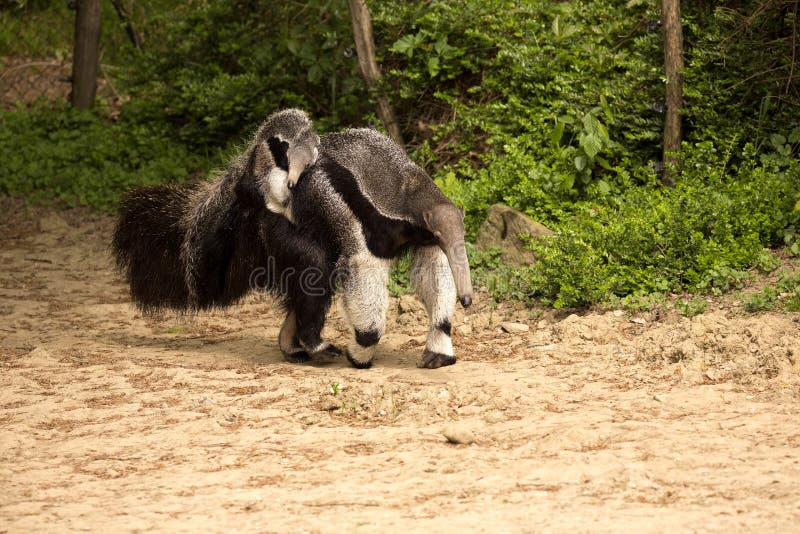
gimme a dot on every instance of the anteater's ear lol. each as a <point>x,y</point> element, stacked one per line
<point>279,149</point>
<point>253,162</point>
<point>428,216</point>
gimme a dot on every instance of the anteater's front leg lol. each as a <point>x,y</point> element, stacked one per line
<point>433,282</point>
<point>365,299</point>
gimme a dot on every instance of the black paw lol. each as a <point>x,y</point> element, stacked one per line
<point>297,355</point>
<point>357,364</point>
<point>327,355</point>
<point>433,360</point>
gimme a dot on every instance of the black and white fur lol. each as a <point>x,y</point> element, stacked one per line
<point>200,247</point>
<point>371,185</point>
<point>209,244</point>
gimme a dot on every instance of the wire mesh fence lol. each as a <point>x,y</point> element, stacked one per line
<point>26,81</point>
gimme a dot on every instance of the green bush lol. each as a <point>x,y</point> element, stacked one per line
<point>699,236</point>
<point>83,158</point>
<point>216,69</point>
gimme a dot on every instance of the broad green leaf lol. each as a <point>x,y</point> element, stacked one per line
<point>556,134</point>
<point>603,162</point>
<point>591,124</point>
<point>591,144</point>
<point>443,48</point>
<point>405,45</point>
<point>777,139</point>
<point>433,66</point>
<point>580,162</point>
<point>606,108</point>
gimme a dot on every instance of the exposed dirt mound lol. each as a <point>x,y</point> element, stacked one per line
<point>597,422</point>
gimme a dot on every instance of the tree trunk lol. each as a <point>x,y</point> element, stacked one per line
<point>86,53</point>
<point>365,48</point>
<point>673,63</point>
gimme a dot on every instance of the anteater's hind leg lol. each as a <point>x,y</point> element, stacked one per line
<point>295,352</point>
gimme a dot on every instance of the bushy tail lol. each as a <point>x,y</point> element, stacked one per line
<point>158,225</point>
<point>147,246</point>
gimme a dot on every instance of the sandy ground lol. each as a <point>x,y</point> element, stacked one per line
<point>596,422</point>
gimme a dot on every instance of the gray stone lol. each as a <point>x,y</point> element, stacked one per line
<point>459,434</point>
<point>514,328</point>
<point>503,227</point>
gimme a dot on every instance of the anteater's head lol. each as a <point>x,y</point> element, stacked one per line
<point>284,146</point>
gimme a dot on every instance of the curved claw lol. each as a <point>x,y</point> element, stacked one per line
<point>434,360</point>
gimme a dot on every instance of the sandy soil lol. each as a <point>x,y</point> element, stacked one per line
<point>596,422</point>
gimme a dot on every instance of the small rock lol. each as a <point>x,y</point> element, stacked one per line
<point>638,320</point>
<point>330,405</point>
<point>660,397</point>
<point>618,313</point>
<point>409,304</point>
<point>514,328</point>
<point>495,417</point>
<point>504,228</point>
<point>459,435</point>
<point>464,329</point>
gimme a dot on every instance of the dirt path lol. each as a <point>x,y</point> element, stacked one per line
<point>111,421</point>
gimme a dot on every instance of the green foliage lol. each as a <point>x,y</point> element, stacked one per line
<point>29,30</point>
<point>763,301</point>
<point>789,290</point>
<point>691,307</point>
<point>699,236</point>
<point>399,283</point>
<point>488,270</point>
<point>81,157</point>
<point>785,295</point>
<point>216,69</point>
<point>532,103</point>
<point>636,302</point>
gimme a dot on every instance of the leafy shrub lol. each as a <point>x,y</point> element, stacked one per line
<point>80,157</point>
<point>214,70</point>
<point>699,236</point>
<point>692,307</point>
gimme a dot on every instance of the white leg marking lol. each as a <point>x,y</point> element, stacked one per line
<point>365,299</point>
<point>433,282</point>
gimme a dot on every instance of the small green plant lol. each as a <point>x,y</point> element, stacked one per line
<point>762,301</point>
<point>399,282</point>
<point>766,261</point>
<point>692,307</point>
<point>334,388</point>
<point>637,302</point>
<point>789,289</point>
<point>175,330</point>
